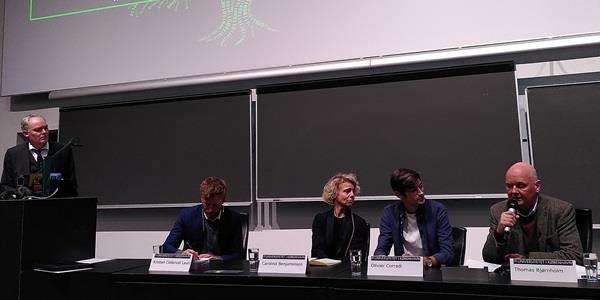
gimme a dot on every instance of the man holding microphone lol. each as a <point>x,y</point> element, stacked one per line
<point>538,226</point>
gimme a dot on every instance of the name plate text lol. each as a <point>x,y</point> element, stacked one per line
<point>286,264</point>
<point>171,262</point>
<point>554,270</point>
<point>382,265</point>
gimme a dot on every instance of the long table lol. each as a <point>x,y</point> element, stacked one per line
<point>130,279</point>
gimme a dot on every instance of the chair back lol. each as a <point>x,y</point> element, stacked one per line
<point>459,234</point>
<point>583,219</point>
<point>244,220</point>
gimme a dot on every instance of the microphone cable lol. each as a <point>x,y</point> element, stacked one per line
<point>351,235</point>
<point>42,198</point>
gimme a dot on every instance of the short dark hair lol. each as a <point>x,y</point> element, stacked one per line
<point>404,180</point>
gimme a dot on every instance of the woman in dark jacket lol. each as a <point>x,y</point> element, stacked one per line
<point>336,231</point>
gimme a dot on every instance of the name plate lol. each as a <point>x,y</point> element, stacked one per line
<point>171,262</point>
<point>382,265</point>
<point>286,264</point>
<point>555,270</point>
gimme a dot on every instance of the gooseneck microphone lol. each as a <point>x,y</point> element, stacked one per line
<point>74,141</point>
<point>47,166</point>
<point>512,207</point>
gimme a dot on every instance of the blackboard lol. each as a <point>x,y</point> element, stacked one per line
<point>158,153</point>
<point>459,128</point>
<point>565,139</point>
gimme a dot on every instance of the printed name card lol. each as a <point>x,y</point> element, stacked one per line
<point>287,264</point>
<point>382,265</point>
<point>171,262</point>
<point>555,270</point>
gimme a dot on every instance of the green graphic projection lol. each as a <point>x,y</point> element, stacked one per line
<point>138,9</point>
<point>55,45</point>
<point>236,18</point>
<point>237,21</point>
<point>48,9</point>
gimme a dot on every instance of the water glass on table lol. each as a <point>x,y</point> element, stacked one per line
<point>355,256</point>
<point>590,262</point>
<point>253,259</point>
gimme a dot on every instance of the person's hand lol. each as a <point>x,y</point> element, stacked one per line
<point>209,256</point>
<point>191,252</point>
<point>429,261</point>
<point>407,254</point>
<point>507,219</point>
<point>508,256</point>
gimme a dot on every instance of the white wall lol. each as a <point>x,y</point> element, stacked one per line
<point>138,244</point>
<point>564,67</point>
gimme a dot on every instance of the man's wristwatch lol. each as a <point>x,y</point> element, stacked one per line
<point>429,263</point>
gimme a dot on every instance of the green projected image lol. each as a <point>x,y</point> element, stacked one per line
<point>237,21</point>
<point>138,9</point>
<point>36,6</point>
<point>236,18</point>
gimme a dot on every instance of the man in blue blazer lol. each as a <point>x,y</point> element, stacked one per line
<point>24,159</point>
<point>209,230</point>
<point>415,226</point>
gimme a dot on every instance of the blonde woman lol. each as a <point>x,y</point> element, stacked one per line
<point>337,230</point>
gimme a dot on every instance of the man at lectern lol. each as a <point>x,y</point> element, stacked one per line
<point>23,164</point>
<point>530,224</point>
<point>208,230</point>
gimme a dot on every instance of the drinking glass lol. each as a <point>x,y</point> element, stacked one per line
<point>355,262</point>
<point>253,259</point>
<point>590,262</point>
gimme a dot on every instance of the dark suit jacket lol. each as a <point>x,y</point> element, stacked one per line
<point>351,236</point>
<point>17,162</point>
<point>434,227</point>
<point>557,235</point>
<point>189,228</point>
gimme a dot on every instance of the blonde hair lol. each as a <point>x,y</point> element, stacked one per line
<point>331,188</point>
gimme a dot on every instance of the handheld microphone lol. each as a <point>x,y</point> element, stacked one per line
<point>512,207</point>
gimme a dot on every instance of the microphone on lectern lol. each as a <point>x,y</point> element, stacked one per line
<point>47,165</point>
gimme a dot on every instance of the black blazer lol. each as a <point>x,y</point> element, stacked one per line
<point>353,235</point>
<point>17,162</point>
